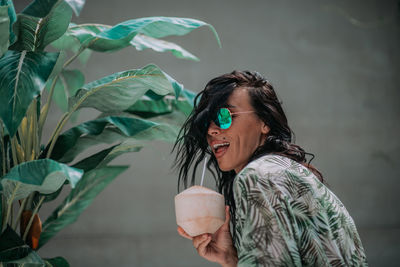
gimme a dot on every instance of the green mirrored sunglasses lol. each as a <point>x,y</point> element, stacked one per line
<point>223,119</point>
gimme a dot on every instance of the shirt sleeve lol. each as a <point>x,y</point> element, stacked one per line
<point>264,236</point>
<point>286,217</point>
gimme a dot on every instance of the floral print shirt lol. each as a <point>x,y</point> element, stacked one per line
<point>286,217</point>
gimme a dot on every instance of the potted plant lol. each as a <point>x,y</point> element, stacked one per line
<point>136,106</point>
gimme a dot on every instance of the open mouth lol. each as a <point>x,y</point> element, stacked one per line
<point>220,149</point>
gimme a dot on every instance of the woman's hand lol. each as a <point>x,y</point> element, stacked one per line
<point>217,247</point>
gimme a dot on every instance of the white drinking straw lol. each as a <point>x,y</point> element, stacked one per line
<point>204,170</point>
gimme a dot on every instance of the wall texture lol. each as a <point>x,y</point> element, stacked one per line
<point>335,65</point>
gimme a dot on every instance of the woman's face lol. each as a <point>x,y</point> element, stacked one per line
<point>239,141</point>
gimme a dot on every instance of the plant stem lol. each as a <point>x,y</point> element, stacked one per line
<point>28,227</point>
<point>22,129</point>
<point>14,151</point>
<point>61,124</point>
<point>46,107</point>
<point>21,209</point>
<point>35,133</point>
<point>30,134</point>
<point>9,206</point>
<point>3,217</point>
<point>11,214</point>
<point>3,150</point>
<point>29,204</point>
<point>66,64</point>
<point>56,132</point>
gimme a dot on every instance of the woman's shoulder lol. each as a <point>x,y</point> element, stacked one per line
<point>277,171</point>
<point>273,164</point>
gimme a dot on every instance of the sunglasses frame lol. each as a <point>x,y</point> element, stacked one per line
<point>217,123</point>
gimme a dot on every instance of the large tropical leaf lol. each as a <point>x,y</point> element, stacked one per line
<point>70,43</point>
<point>91,184</point>
<point>57,262</point>
<point>105,156</point>
<point>4,29</point>
<point>148,106</point>
<point>42,22</point>
<point>22,78</point>
<point>44,175</point>
<point>32,259</point>
<point>103,38</point>
<point>68,83</point>
<point>58,67</point>
<point>141,42</point>
<point>76,5</point>
<point>119,91</point>
<point>107,130</point>
<point>40,8</point>
<point>12,247</point>
<point>12,18</point>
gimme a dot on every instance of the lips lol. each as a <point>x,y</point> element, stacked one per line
<point>220,148</point>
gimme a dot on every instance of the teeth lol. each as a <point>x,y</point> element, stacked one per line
<point>219,145</point>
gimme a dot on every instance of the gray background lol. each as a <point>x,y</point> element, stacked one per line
<point>335,65</point>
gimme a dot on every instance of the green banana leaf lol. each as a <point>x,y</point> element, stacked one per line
<point>105,156</point>
<point>68,83</point>
<point>31,260</point>
<point>119,91</point>
<point>12,18</point>
<point>91,184</point>
<point>58,67</point>
<point>22,78</point>
<point>4,29</point>
<point>141,42</point>
<point>14,251</point>
<point>48,197</point>
<point>148,106</point>
<point>67,41</point>
<point>40,8</point>
<point>12,247</point>
<point>76,5</point>
<point>56,262</point>
<point>44,175</point>
<point>107,130</point>
<point>42,22</point>
<point>70,43</point>
<point>103,38</point>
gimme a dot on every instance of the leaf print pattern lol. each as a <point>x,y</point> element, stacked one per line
<point>286,217</point>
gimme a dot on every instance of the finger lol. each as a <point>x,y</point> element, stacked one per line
<point>227,218</point>
<point>227,214</point>
<point>202,249</point>
<point>197,240</point>
<point>183,233</point>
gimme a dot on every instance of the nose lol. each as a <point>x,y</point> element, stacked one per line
<point>213,129</point>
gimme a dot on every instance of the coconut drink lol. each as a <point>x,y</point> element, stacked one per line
<point>199,210</point>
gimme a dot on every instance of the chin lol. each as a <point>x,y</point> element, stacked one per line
<point>225,168</point>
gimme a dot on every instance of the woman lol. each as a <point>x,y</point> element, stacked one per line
<point>281,212</point>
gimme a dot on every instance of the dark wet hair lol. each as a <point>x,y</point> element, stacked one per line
<point>191,145</point>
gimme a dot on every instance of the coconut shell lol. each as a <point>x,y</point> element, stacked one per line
<point>199,210</point>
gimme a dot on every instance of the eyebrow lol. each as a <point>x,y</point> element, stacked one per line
<point>229,106</point>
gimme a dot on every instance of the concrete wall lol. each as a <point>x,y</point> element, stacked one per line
<point>335,65</point>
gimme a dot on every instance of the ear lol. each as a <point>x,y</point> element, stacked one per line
<point>264,128</point>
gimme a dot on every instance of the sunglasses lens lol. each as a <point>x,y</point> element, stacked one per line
<point>224,119</point>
